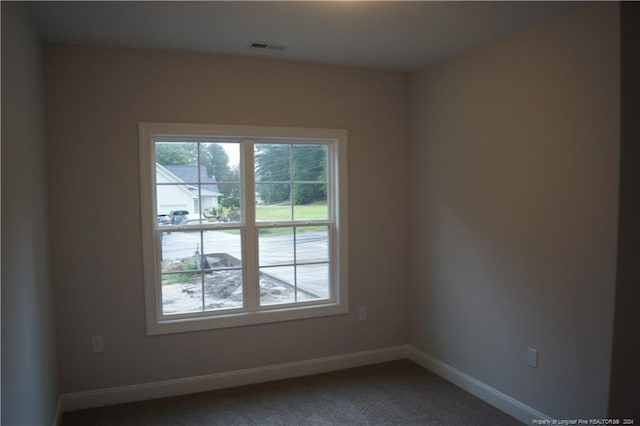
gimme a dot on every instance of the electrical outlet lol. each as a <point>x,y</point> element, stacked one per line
<point>362,313</point>
<point>97,344</point>
<point>532,358</point>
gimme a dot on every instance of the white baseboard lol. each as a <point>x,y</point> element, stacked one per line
<point>166,388</point>
<point>501,401</point>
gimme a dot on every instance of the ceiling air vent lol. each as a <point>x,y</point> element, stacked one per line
<point>266,45</point>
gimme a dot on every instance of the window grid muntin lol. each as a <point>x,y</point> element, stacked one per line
<point>328,160</point>
<point>202,270</point>
<point>202,227</point>
<point>330,255</point>
<point>332,216</point>
<point>293,223</point>
<point>198,141</point>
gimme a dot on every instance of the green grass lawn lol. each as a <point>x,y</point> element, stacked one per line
<point>168,279</point>
<point>274,213</point>
<point>271,213</point>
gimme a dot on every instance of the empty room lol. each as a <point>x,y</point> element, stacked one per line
<point>320,213</point>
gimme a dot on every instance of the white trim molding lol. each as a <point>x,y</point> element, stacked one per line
<point>492,396</point>
<point>209,382</point>
<point>333,300</point>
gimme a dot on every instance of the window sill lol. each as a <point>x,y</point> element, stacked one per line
<point>182,325</point>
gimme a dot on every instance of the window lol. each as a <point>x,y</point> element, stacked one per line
<point>242,225</point>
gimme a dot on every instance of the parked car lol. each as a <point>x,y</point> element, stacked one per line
<point>194,219</point>
<point>177,216</point>
<point>164,219</point>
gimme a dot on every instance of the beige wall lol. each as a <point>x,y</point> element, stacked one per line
<point>512,158</point>
<point>95,98</point>
<point>514,172</point>
<point>29,377</point>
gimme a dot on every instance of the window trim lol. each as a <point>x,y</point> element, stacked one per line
<point>268,314</point>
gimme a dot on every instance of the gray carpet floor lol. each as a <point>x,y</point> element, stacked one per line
<point>392,393</point>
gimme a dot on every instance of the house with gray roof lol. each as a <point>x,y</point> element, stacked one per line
<point>185,188</point>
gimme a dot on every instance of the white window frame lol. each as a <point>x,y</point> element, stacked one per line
<point>251,313</point>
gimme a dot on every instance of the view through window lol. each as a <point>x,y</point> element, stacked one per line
<point>242,225</point>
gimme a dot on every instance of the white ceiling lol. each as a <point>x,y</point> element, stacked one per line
<point>381,34</point>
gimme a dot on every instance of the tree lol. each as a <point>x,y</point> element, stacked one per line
<point>215,158</point>
<point>309,164</point>
<point>174,154</point>
<point>231,192</point>
<point>273,164</point>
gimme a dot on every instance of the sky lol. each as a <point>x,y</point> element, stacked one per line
<point>233,151</point>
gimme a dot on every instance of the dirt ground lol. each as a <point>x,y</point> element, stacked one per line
<point>223,290</point>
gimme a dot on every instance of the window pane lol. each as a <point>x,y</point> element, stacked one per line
<point>203,243</point>
<point>181,293</point>
<point>222,249</point>
<point>180,251</point>
<point>277,285</point>
<point>310,201</point>
<point>177,179</point>
<point>223,289</point>
<point>163,220</point>
<point>272,163</point>
<point>191,219</point>
<point>171,154</point>
<point>310,163</point>
<point>228,208</point>
<point>273,202</point>
<point>312,244</point>
<point>221,160</point>
<point>275,246</point>
<point>206,199</point>
<point>171,198</point>
<point>313,281</point>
